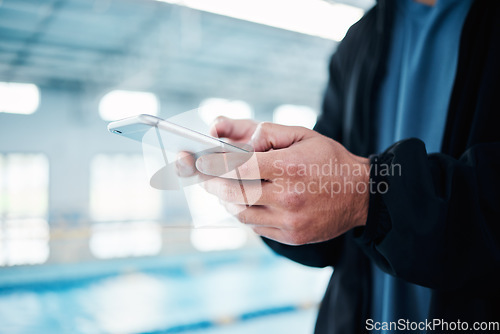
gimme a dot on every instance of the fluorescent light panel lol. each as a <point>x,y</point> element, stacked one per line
<point>311,17</point>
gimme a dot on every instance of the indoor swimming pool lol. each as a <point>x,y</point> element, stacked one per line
<point>228,292</point>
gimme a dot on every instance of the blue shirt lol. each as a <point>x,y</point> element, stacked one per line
<point>413,102</point>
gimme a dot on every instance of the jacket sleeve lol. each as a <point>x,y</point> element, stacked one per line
<point>319,255</point>
<point>435,220</point>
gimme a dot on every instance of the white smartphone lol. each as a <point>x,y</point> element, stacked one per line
<point>169,136</point>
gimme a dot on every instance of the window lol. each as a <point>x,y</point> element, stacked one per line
<point>120,104</point>
<point>19,98</point>
<point>24,231</point>
<point>217,230</point>
<point>289,114</point>
<point>214,239</point>
<point>120,189</point>
<point>124,207</point>
<point>124,239</point>
<point>213,107</point>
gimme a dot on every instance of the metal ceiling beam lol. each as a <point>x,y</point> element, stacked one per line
<point>24,52</point>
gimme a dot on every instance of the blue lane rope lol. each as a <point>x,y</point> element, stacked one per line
<point>206,324</point>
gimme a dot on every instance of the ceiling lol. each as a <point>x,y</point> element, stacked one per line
<point>150,45</point>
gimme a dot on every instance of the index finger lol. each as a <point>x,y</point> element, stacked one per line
<point>242,166</point>
<point>234,129</point>
<point>185,164</point>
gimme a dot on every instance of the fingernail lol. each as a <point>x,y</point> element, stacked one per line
<point>200,164</point>
<point>219,119</point>
<point>213,164</point>
<point>218,164</point>
<point>184,168</point>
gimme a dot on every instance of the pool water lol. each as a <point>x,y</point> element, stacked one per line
<point>216,293</point>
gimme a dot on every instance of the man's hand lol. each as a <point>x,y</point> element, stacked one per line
<point>312,188</point>
<point>238,131</point>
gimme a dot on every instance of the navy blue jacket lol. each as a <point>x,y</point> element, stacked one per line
<point>438,225</point>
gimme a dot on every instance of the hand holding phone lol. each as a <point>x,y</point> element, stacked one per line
<point>172,138</point>
<point>236,131</point>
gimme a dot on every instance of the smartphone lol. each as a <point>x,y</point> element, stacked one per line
<point>169,136</point>
<point>172,138</point>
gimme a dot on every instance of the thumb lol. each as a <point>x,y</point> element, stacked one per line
<point>234,129</point>
<point>269,136</point>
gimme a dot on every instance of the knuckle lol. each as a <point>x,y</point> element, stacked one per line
<point>225,192</point>
<point>208,186</point>
<point>296,238</point>
<point>291,200</point>
<point>263,127</point>
<point>257,230</point>
<point>243,168</point>
<point>228,192</point>
<point>291,222</point>
<point>242,217</point>
<point>282,201</point>
<point>219,119</point>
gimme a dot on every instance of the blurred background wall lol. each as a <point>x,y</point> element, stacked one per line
<point>77,215</point>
